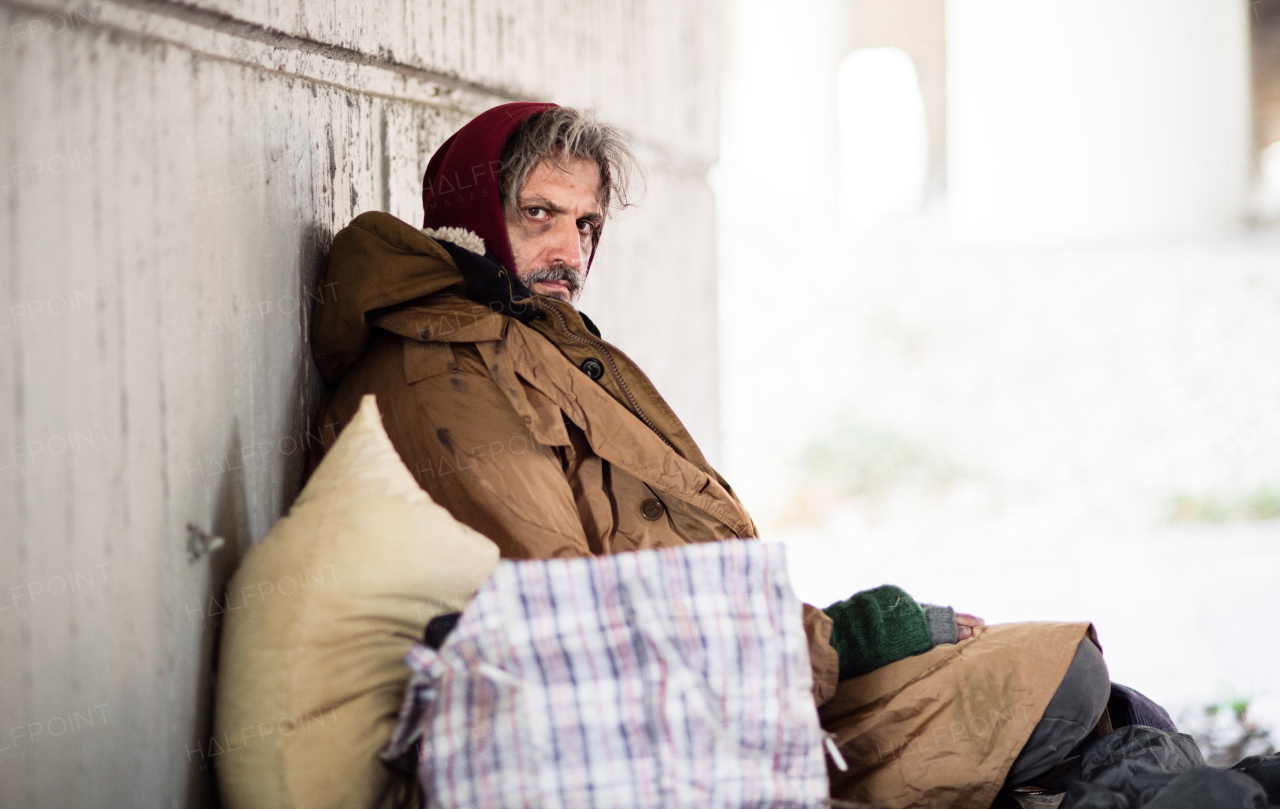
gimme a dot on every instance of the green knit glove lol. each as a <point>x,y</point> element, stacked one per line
<point>877,627</point>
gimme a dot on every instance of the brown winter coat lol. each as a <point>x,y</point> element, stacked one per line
<point>501,426</point>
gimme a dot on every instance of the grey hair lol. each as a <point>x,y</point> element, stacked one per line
<point>568,132</point>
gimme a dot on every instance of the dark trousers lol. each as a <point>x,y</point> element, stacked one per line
<point>1075,709</point>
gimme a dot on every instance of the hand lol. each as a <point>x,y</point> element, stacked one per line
<point>965,624</point>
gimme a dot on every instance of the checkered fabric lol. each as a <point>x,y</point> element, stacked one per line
<point>664,678</point>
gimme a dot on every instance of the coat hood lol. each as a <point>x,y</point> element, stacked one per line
<point>377,262</point>
<point>460,188</point>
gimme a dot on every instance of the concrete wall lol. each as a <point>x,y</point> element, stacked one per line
<point>173,174</point>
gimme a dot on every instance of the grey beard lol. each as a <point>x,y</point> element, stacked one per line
<point>558,272</point>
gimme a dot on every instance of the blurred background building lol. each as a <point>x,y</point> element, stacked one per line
<point>1017,353</point>
<point>996,315</point>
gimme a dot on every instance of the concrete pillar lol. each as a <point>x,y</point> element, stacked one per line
<point>1266,106</point>
<point>919,28</point>
<point>884,136</point>
<point>1096,119</point>
<point>781,245</point>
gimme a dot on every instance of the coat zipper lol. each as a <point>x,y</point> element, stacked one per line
<point>613,368</point>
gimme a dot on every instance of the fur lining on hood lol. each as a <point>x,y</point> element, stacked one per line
<point>488,282</point>
<point>459,236</point>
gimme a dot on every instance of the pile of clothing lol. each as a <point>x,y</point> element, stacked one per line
<point>1153,768</point>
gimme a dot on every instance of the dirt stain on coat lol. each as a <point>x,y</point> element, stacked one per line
<point>443,435</point>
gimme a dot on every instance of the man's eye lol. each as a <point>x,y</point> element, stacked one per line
<point>587,228</point>
<point>537,213</point>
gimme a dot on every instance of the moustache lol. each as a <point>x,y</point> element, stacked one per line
<point>558,272</point>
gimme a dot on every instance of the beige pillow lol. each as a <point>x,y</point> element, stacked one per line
<point>317,622</point>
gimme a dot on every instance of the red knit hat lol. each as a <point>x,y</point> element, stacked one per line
<point>460,188</point>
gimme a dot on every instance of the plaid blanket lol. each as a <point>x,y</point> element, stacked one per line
<point>663,678</point>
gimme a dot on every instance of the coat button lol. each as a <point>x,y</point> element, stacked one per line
<point>593,368</point>
<point>651,509</point>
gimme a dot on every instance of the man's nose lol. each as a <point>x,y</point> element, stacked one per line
<point>566,244</point>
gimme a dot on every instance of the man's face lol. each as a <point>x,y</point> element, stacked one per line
<point>551,229</point>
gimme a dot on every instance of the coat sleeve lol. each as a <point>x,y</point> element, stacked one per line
<point>822,655</point>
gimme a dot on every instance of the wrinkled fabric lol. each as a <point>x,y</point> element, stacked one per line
<point>497,422</point>
<point>1266,771</point>
<point>1138,766</point>
<point>1210,788</point>
<point>676,677</point>
<point>942,729</point>
<point>1199,788</point>
<point>1139,745</point>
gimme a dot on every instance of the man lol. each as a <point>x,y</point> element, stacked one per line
<point>518,418</point>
